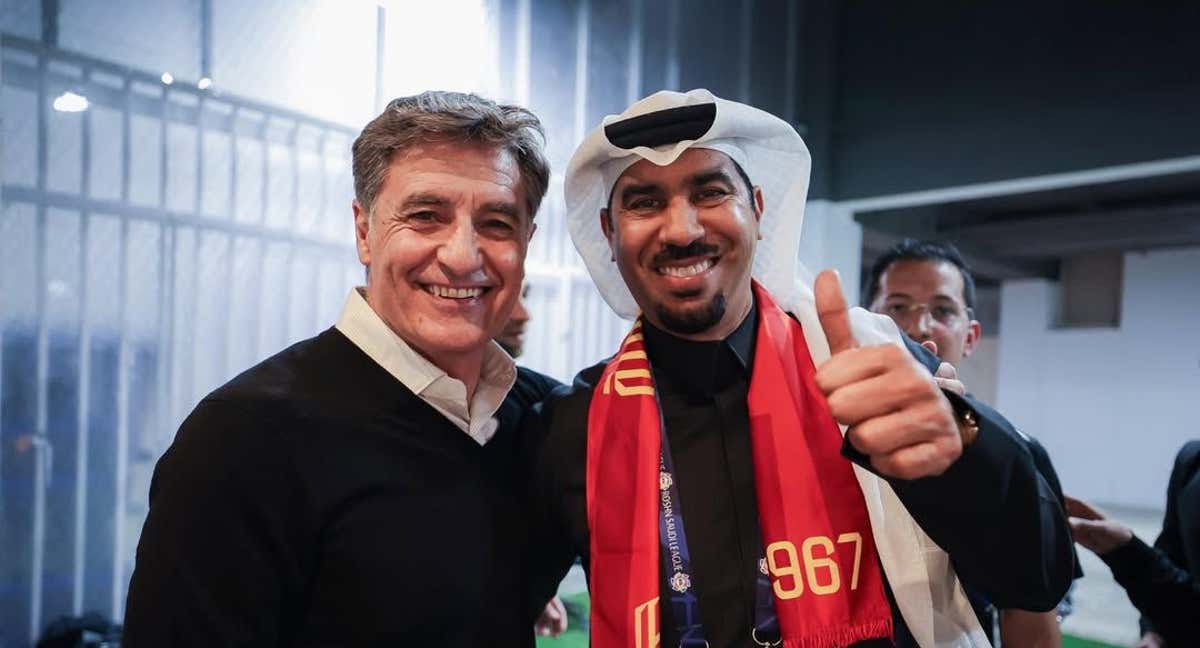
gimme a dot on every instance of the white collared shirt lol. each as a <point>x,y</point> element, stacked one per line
<point>369,332</point>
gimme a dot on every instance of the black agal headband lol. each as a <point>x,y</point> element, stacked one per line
<point>662,127</point>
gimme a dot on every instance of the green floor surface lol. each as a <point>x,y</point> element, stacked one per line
<point>1076,642</point>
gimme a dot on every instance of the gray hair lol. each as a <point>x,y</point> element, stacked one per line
<point>450,116</point>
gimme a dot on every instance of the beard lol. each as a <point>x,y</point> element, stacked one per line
<point>692,321</point>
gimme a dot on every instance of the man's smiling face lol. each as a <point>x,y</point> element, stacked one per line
<point>445,245</point>
<point>683,238</point>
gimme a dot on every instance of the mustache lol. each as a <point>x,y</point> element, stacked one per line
<point>677,252</point>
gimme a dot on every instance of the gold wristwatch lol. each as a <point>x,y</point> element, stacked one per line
<point>968,427</point>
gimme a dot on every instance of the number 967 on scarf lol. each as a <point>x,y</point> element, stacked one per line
<point>813,566</point>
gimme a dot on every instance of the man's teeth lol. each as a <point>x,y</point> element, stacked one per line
<point>454,293</point>
<point>687,271</point>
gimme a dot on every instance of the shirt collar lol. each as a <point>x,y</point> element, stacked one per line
<point>366,330</point>
<point>704,367</point>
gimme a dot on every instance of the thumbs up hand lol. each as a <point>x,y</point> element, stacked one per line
<point>894,410</point>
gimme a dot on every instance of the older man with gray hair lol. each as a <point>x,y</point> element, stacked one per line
<point>363,487</point>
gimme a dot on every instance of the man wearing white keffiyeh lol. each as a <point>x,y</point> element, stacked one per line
<point>687,210</point>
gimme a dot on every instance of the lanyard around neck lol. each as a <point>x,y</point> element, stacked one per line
<point>676,562</point>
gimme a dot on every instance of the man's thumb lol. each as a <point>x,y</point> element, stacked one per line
<point>832,311</point>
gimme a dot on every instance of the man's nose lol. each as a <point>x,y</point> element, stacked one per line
<point>519,314</point>
<point>920,325</point>
<point>682,225</point>
<point>459,254</point>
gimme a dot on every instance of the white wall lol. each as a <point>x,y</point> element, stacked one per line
<point>1111,405</point>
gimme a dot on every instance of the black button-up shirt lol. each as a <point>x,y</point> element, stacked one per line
<point>702,389</point>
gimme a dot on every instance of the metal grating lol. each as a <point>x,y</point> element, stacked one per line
<point>153,246</point>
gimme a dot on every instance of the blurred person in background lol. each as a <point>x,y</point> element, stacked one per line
<point>364,487</point>
<point>512,337</point>
<point>927,289</point>
<point>1163,581</point>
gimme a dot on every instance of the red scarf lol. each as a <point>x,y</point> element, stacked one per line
<point>821,554</point>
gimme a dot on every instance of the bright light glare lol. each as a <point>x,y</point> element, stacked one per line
<point>442,45</point>
<point>167,79</point>
<point>329,47</point>
<point>204,83</point>
<point>70,102</point>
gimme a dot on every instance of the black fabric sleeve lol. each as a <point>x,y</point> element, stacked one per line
<point>1165,594</point>
<point>996,516</point>
<point>216,563</point>
<point>1041,460</point>
<point>1170,540</point>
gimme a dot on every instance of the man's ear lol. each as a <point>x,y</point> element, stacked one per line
<point>362,230</point>
<point>758,208</point>
<point>607,228</point>
<point>974,333</point>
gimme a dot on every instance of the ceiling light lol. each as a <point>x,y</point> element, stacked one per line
<point>167,79</point>
<point>204,84</point>
<point>70,102</point>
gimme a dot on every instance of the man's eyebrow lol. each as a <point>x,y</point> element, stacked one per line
<point>714,175</point>
<point>945,297</point>
<point>639,190</point>
<point>423,200</point>
<point>903,295</point>
<point>501,207</point>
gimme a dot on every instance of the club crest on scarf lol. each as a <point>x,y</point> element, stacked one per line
<point>629,373</point>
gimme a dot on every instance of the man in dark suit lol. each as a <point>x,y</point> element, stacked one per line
<point>927,289</point>
<point>1163,581</point>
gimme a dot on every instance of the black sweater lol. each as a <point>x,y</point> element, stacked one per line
<point>314,500</point>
